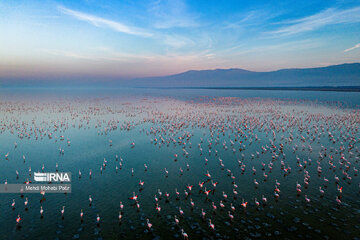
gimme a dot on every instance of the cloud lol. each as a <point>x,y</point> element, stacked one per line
<point>102,22</point>
<point>329,16</point>
<point>107,54</point>
<point>172,13</point>
<point>251,19</point>
<point>352,48</point>
<point>177,41</point>
<point>296,45</point>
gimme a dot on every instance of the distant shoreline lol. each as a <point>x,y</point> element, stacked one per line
<point>323,88</point>
<point>329,89</point>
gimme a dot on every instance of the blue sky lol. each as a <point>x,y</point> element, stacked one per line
<point>125,39</point>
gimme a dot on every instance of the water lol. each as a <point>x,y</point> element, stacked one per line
<point>90,118</point>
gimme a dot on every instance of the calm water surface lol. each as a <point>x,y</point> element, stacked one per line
<point>235,130</point>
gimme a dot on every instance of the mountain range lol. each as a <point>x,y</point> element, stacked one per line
<point>343,75</point>
<point>331,76</point>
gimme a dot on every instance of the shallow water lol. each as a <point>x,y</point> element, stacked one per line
<point>89,119</point>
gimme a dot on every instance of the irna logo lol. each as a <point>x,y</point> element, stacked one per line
<point>52,177</point>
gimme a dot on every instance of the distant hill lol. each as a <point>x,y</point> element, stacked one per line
<point>336,75</point>
<point>332,76</point>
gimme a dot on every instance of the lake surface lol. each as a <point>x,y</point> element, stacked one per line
<point>277,138</point>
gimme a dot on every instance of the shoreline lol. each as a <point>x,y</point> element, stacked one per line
<point>330,89</point>
<point>323,88</point>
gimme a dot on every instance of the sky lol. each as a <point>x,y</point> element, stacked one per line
<point>94,39</point>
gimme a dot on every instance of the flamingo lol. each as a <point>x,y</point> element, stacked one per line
<point>181,211</point>
<point>203,213</point>
<point>214,184</point>
<point>256,183</point>
<point>339,189</point>
<point>264,199</point>
<point>26,202</point>
<point>244,204</point>
<point>221,204</point>
<point>338,201</point>
<point>18,219</point>
<point>184,234</point>
<point>192,203</point>
<point>149,225</point>
<point>211,225</point>
<point>230,216</point>
<point>62,211</point>
<point>224,195</point>
<point>134,197</point>
<point>235,193</point>
<point>158,208</point>
<point>207,192</point>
